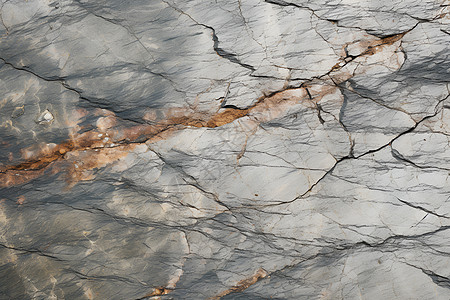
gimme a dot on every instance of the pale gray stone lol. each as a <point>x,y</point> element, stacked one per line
<point>279,149</point>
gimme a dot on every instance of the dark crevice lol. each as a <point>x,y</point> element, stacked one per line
<point>233,107</point>
<point>438,279</point>
<point>422,208</point>
<point>351,156</point>
<point>397,155</point>
<point>309,94</point>
<point>319,116</point>
<point>92,102</point>
<point>225,54</point>
<point>272,77</point>
<point>31,251</point>
<point>28,70</point>
<point>319,180</point>
<point>407,131</point>
<point>221,52</point>
<point>342,110</point>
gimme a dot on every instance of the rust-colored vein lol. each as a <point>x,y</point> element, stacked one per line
<point>104,142</point>
<point>372,47</point>
<point>226,117</point>
<point>376,46</point>
<point>243,284</point>
<point>113,138</point>
<point>43,161</point>
<point>159,291</point>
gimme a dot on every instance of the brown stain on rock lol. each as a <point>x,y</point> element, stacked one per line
<point>13,177</point>
<point>82,163</point>
<point>243,284</point>
<point>377,45</point>
<point>226,116</point>
<point>367,47</point>
<point>112,140</point>
<point>159,291</point>
<point>20,200</point>
<point>109,137</point>
<point>112,137</point>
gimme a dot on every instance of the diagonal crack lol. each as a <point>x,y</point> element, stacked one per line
<point>117,23</point>
<point>61,80</point>
<point>439,280</point>
<point>221,52</point>
<point>226,116</point>
<point>350,156</point>
<point>336,22</point>
<point>396,154</point>
<point>422,208</point>
<point>192,180</point>
<point>31,251</point>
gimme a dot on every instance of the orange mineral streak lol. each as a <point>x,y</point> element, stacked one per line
<point>83,163</point>
<point>111,134</point>
<point>243,284</point>
<point>374,46</point>
<point>367,47</point>
<point>226,116</point>
<point>378,45</point>
<point>20,200</point>
<point>13,177</point>
<point>319,91</point>
<point>111,140</point>
<point>108,142</point>
<point>159,291</point>
<point>34,164</point>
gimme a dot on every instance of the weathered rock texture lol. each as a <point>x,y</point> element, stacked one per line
<point>224,149</point>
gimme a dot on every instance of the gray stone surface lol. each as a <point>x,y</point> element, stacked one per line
<point>224,149</point>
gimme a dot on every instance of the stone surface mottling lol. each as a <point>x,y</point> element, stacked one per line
<point>250,149</point>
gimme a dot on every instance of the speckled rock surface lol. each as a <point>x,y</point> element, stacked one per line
<point>224,149</point>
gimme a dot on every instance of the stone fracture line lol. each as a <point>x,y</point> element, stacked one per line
<point>219,51</point>
<point>113,139</point>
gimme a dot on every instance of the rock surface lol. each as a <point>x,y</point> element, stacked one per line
<point>224,149</point>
